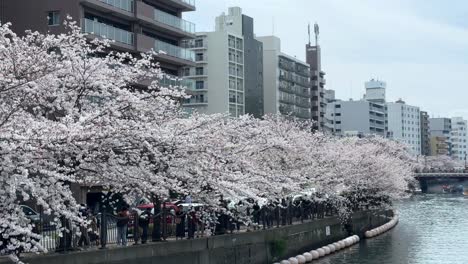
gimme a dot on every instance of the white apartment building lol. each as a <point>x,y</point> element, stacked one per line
<point>287,88</point>
<point>458,138</point>
<point>404,125</point>
<point>361,117</point>
<point>219,73</point>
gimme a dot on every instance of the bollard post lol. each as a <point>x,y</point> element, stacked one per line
<point>103,228</point>
<point>156,234</point>
<point>164,222</point>
<point>136,229</point>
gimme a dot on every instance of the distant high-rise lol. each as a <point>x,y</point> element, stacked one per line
<point>440,130</point>
<point>286,81</point>
<point>375,91</point>
<point>229,71</point>
<point>362,117</point>
<point>404,124</point>
<point>458,138</point>
<point>425,135</point>
<point>317,77</point>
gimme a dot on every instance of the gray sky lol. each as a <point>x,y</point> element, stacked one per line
<point>419,47</point>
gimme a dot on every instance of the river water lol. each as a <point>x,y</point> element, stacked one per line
<point>433,229</point>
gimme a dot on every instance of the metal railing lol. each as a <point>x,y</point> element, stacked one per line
<point>175,81</point>
<point>174,51</point>
<point>174,21</point>
<point>107,31</point>
<point>126,5</point>
<point>190,2</point>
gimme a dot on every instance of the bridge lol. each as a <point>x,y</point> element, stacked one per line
<point>441,175</point>
<point>433,181</point>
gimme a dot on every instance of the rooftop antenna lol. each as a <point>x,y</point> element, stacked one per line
<point>273,26</point>
<point>308,30</point>
<point>317,32</point>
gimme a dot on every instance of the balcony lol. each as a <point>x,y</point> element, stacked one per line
<point>165,22</point>
<point>119,8</point>
<point>174,51</point>
<point>126,5</point>
<point>167,52</point>
<point>183,5</point>
<point>174,21</point>
<point>107,31</point>
<point>174,81</point>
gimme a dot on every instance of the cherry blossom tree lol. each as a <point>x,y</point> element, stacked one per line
<point>72,113</point>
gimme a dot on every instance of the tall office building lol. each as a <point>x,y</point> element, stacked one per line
<point>458,138</point>
<point>404,125</point>
<point>425,135</point>
<point>286,81</point>
<point>135,25</point>
<point>440,131</point>
<point>317,77</point>
<point>228,73</point>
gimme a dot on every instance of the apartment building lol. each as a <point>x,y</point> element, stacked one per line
<point>356,118</point>
<point>363,117</point>
<point>404,125</point>
<point>135,25</point>
<point>440,131</point>
<point>425,135</point>
<point>228,74</point>
<point>458,138</point>
<point>287,89</point>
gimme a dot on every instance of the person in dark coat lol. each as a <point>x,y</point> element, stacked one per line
<point>143,221</point>
<point>180,223</point>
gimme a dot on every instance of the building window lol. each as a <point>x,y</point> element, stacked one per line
<point>200,85</point>
<point>199,43</point>
<point>337,106</point>
<point>199,71</point>
<point>53,18</point>
<point>199,57</point>
<point>186,72</point>
<point>232,97</point>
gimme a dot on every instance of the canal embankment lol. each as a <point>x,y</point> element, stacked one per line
<point>263,246</point>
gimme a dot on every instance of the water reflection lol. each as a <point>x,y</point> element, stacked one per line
<point>433,229</point>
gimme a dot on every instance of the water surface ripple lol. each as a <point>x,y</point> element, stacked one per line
<point>433,229</point>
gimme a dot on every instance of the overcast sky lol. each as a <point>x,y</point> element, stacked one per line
<point>419,47</point>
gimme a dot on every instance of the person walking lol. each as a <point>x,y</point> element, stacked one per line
<point>123,218</point>
<point>143,221</point>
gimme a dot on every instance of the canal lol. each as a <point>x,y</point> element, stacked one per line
<point>433,229</point>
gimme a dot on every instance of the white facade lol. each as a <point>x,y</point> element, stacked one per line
<point>219,73</point>
<point>458,138</point>
<point>286,79</point>
<point>404,125</point>
<point>356,118</point>
<point>375,91</point>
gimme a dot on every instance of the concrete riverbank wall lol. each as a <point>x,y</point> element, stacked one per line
<point>266,246</point>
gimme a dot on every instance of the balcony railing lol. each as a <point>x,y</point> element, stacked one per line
<point>175,81</point>
<point>126,5</point>
<point>174,51</point>
<point>174,21</point>
<point>190,2</point>
<point>107,31</point>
